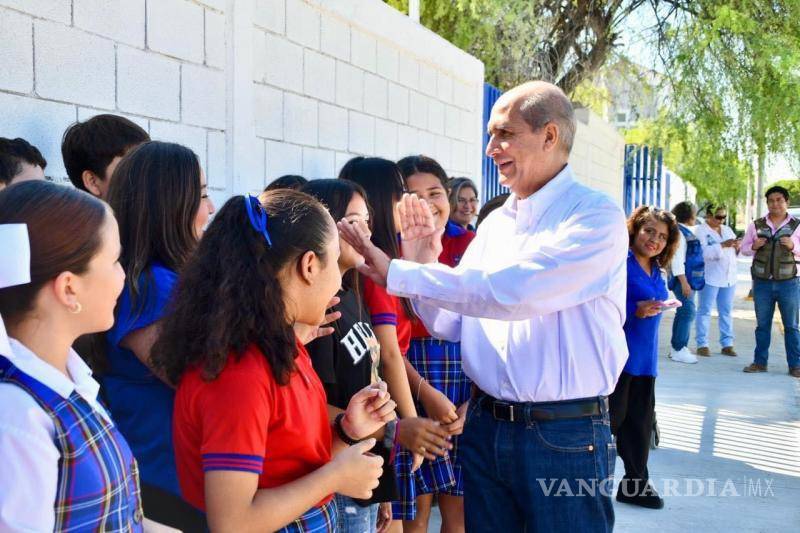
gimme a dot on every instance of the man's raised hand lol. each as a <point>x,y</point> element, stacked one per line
<point>422,241</point>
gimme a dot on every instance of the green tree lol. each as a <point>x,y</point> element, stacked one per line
<point>565,42</point>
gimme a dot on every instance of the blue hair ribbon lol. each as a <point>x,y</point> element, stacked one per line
<point>258,217</point>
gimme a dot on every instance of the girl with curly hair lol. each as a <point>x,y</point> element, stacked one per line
<point>253,444</point>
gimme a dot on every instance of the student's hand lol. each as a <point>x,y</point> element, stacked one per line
<point>437,405</point>
<point>384,517</point>
<point>368,411</point>
<point>759,242</point>
<point>686,290</point>
<point>307,332</point>
<point>787,242</point>
<point>730,243</point>
<point>457,427</point>
<point>422,241</point>
<point>376,262</point>
<point>357,471</point>
<point>648,308</point>
<point>423,436</point>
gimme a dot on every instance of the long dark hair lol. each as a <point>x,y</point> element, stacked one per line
<point>64,227</point>
<point>229,295</point>
<point>336,195</point>
<point>639,218</point>
<point>155,194</point>
<point>383,183</point>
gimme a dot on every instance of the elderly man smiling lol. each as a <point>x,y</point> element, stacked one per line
<point>538,303</point>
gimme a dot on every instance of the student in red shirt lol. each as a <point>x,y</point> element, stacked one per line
<point>434,366</point>
<point>253,443</point>
<point>392,322</point>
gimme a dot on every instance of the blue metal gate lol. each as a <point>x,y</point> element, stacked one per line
<point>491,179</point>
<point>643,175</point>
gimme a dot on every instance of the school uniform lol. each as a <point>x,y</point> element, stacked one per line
<point>347,361</point>
<point>439,362</point>
<point>139,401</point>
<point>51,478</point>
<point>278,432</point>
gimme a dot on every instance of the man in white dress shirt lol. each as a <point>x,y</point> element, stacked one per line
<point>538,303</point>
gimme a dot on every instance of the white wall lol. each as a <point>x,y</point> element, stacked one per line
<point>257,88</point>
<point>598,154</point>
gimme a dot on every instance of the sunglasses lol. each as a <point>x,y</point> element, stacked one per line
<point>721,217</point>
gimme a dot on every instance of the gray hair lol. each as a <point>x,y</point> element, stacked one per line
<point>550,105</point>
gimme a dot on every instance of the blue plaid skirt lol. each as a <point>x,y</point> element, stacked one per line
<point>439,362</point>
<point>315,520</point>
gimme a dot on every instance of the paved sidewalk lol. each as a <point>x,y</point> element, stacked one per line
<point>741,431</point>
<point>730,441</point>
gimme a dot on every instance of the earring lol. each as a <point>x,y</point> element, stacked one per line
<point>75,309</point>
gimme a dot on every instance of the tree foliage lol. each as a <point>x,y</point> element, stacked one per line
<point>519,40</point>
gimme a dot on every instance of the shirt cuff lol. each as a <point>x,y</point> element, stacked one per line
<point>398,280</point>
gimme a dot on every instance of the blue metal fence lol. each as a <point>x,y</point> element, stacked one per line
<point>491,180</point>
<point>646,182</point>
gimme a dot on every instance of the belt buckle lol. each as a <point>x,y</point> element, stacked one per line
<point>504,407</point>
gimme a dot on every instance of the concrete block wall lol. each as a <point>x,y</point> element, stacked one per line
<point>598,154</point>
<point>159,63</point>
<point>257,88</point>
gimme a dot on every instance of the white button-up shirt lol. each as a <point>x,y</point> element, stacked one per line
<point>721,269</point>
<point>538,300</point>
<point>28,455</point>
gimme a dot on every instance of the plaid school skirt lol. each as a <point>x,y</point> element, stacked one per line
<point>315,520</point>
<point>439,362</point>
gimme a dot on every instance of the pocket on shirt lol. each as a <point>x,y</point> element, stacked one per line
<point>571,435</point>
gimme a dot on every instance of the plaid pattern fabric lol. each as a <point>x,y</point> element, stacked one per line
<point>439,362</point>
<point>315,520</point>
<point>98,480</point>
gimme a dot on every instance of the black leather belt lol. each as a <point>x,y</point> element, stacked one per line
<point>527,411</point>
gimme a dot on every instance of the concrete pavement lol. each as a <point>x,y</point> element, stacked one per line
<point>730,441</point>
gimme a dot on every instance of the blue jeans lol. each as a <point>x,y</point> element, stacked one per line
<point>787,295</point>
<point>537,476</point>
<point>352,518</point>
<point>723,296</point>
<point>682,324</point>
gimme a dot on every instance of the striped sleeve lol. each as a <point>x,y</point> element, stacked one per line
<point>382,305</point>
<point>233,461</point>
<point>235,439</point>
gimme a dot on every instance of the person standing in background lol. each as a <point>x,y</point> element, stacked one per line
<point>463,202</point>
<point>687,274</point>
<point>774,241</point>
<point>720,247</point>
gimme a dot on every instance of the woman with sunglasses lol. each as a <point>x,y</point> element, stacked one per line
<point>720,248</point>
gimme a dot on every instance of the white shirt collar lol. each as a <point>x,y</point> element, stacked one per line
<point>528,210</point>
<point>82,380</point>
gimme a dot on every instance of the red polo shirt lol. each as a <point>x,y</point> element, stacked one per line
<point>454,243</point>
<point>243,420</point>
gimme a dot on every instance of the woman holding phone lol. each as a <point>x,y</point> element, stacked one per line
<point>653,235</point>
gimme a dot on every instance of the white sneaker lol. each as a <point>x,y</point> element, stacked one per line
<point>683,356</point>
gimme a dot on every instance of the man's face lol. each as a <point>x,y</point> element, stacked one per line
<point>777,205</point>
<point>517,150</point>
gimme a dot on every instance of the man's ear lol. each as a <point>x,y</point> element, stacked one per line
<point>91,182</point>
<point>551,136</point>
<point>308,267</point>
